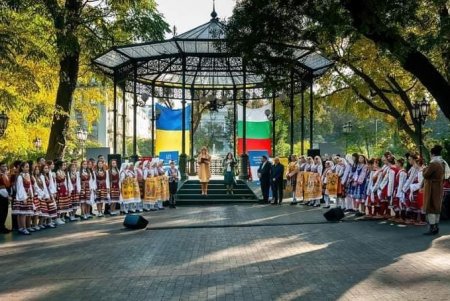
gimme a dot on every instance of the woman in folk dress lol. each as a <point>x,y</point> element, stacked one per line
<point>164,186</point>
<point>127,186</point>
<point>63,202</point>
<point>73,180</point>
<point>204,173</point>
<point>51,188</point>
<point>138,170</point>
<point>23,203</point>
<point>102,187</point>
<point>151,176</point>
<point>114,186</point>
<point>48,205</point>
<point>37,219</point>
<point>87,189</point>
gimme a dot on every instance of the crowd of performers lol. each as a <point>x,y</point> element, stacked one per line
<point>46,193</point>
<point>384,188</point>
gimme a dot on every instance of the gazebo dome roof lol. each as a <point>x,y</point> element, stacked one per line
<point>202,54</point>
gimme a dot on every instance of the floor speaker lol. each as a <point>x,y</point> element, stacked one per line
<point>134,221</point>
<point>334,214</point>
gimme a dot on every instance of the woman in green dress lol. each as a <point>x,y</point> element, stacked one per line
<point>228,171</point>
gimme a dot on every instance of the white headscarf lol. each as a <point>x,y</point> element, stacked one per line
<point>331,163</point>
<point>349,159</point>
<point>123,167</point>
<point>145,164</point>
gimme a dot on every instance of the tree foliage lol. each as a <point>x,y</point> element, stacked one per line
<point>413,33</point>
<point>45,51</point>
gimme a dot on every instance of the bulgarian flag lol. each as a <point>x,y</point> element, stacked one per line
<point>258,130</point>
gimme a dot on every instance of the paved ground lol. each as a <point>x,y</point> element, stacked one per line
<point>245,252</point>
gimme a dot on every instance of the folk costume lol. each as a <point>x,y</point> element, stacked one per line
<point>151,184</point>
<point>74,184</point>
<point>63,201</point>
<point>23,203</point>
<point>114,188</point>
<point>141,182</point>
<point>291,176</point>
<point>87,191</point>
<point>434,175</point>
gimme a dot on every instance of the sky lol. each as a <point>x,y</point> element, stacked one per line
<point>188,14</point>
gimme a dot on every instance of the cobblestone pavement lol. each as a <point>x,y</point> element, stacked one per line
<point>244,252</point>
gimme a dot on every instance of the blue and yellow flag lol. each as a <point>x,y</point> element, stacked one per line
<point>169,129</point>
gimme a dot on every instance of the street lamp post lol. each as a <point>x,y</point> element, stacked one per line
<point>347,129</point>
<point>420,112</point>
<point>82,137</point>
<point>271,117</point>
<point>3,123</point>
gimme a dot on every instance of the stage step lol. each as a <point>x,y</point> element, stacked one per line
<point>190,193</point>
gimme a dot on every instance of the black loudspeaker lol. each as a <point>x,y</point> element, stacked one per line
<point>313,152</point>
<point>334,215</point>
<point>134,221</point>
<point>116,157</point>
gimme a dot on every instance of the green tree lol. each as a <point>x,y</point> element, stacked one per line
<point>80,29</point>
<point>414,33</point>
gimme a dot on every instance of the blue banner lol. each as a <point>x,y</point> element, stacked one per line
<point>255,157</point>
<point>169,156</point>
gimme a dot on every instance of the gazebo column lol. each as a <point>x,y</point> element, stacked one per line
<point>115,116</point>
<point>274,119</point>
<point>291,108</point>
<point>234,120</point>
<point>244,156</point>
<point>124,122</point>
<point>311,115</point>
<point>302,114</point>
<point>183,156</point>
<point>153,120</point>
<point>191,155</point>
<point>134,157</point>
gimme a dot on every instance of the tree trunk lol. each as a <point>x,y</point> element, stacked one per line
<point>68,75</point>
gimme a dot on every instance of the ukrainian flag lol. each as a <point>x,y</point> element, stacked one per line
<point>169,129</point>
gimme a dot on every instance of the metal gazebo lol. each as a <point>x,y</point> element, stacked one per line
<point>197,62</point>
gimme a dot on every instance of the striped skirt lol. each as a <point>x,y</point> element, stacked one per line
<point>63,203</point>
<point>37,206</point>
<point>101,195</point>
<point>23,207</point>
<point>75,200</point>
<point>114,194</point>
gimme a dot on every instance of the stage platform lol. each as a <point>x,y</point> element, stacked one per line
<point>189,192</point>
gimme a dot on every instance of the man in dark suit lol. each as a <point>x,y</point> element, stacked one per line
<point>277,181</point>
<point>264,178</point>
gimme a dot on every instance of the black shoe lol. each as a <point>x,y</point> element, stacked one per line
<point>293,203</point>
<point>431,230</point>
<point>436,229</point>
<point>326,207</point>
<point>5,231</point>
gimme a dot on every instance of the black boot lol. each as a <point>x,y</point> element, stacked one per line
<point>431,230</point>
<point>436,229</point>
